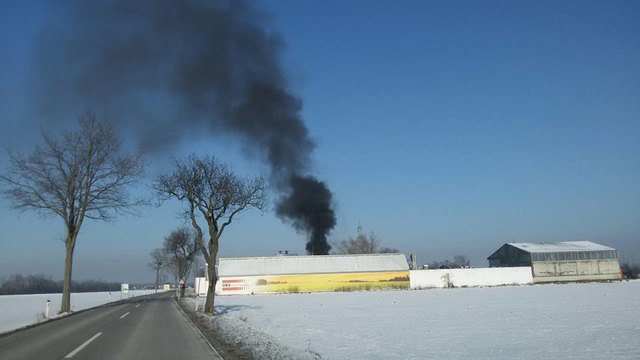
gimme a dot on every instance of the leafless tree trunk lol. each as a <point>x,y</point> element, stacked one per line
<point>214,194</point>
<point>68,267</point>
<point>80,175</point>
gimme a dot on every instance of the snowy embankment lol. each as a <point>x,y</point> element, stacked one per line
<point>569,321</point>
<point>21,310</point>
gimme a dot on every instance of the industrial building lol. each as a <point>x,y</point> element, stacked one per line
<point>286,274</point>
<point>563,261</point>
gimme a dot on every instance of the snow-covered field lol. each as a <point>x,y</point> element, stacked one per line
<point>21,310</point>
<point>568,321</point>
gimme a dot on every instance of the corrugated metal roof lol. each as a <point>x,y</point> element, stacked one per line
<point>560,246</point>
<point>278,265</point>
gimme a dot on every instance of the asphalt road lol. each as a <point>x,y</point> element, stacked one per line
<point>140,328</point>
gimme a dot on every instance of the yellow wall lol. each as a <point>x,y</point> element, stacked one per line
<point>314,282</point>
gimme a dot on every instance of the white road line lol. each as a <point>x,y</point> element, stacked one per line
<point>84,344</point>
<point>125,314</point>
<point>137,305</point>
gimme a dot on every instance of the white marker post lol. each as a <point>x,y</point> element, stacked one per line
<point>47,309</point>
<point>197,302</point>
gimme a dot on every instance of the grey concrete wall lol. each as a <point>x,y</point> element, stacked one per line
<point>581,270</point>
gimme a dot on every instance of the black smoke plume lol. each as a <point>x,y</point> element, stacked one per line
<point>166,69</point>
<point>309,207</point>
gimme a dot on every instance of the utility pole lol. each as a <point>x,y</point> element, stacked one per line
<point>157,275</point>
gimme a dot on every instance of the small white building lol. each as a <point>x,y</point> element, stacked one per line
<point>563,261</point>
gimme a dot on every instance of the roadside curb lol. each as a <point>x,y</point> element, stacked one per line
<point>203,336</point>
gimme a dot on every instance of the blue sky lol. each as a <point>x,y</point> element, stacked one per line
<point>444,127</point>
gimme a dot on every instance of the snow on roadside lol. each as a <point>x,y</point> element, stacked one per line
<point>571,321</point>
<point>234,331</point>
<point>17,311</point>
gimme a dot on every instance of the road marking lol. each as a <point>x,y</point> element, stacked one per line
<point>125,314</point>
<point>84,344</point>
<point>137,305</point>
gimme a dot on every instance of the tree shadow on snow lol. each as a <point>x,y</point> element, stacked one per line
<point>226,309</point>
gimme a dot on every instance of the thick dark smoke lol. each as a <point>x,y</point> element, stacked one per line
<point>309,205</point>
<point>165,69</point>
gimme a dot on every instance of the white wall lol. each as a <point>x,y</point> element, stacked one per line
<point>437,278</point>
<point>201,284</point>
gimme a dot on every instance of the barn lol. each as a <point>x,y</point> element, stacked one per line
<point>563,261</point>
<point>290,274</point>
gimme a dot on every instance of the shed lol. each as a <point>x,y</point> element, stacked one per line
<point>562,261</point>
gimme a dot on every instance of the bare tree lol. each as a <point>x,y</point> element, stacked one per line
<point>214,194</point>
<point>180,248</point>
<point>630,271</point>
<point>459,262</point>
<point>76,177</point>
<point>362,244</point>
<point>197,269</point>
<point>158,261</point>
